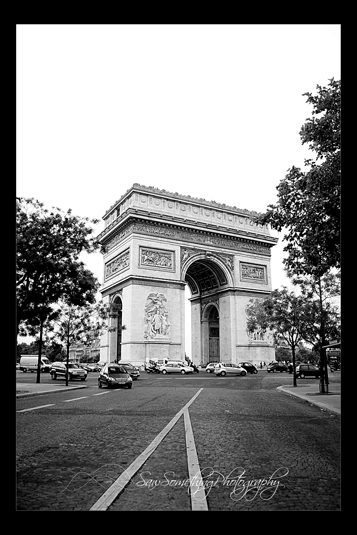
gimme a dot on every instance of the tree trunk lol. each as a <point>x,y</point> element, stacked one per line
<point>38,378</point>
<point>294,372</point>
<point>323,362</point>
<point>67,363</point>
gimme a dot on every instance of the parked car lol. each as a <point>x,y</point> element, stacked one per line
<point>210,367</point>
<point>175,367</point>
<point>132,370</point>
<point>59,369</point>
<point>249,367</point>
<point>93,367</point>
<point>226,368</point>
<point>276,367</point>
<point>29,363</point>
<point>307,370</point>
<point>114,375</point>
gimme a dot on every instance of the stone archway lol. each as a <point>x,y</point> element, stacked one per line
<point>209,277</point>
<point>155,243</point>
<point>213,334</point>
<point>115,323</point>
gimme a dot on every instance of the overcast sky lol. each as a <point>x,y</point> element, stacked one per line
<point>211,111</point>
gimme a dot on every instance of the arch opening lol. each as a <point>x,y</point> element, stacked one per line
<point>117,323</point>
<point>204,277</point>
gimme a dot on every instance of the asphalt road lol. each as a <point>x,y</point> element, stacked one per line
<point>255,448</point>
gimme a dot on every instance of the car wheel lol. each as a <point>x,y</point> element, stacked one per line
<point>129,386</point>
<point>243,374</point>
<point>99,384</point>
<point>223,373</point>
<point>302,375</point>
<point>24,370</point>
<point>83,378</point>
<point>164,372</point>
<point>182,372</point>
<point>208,371</point>
<point>255,371</point>
<point>54,375</point>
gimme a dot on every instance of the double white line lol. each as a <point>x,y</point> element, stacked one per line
<point>198,497</point>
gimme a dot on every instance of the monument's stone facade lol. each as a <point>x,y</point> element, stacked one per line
<point>155,243</point>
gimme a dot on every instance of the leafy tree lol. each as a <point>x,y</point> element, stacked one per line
<point>78,324</point>
<point>308,206</point>
<point>281,313</point>
<point>321,314</point>
<point>53,350</point>
<point>310,316</point>
<point>282,353</point>
<point>306,355</point>
<point>48,267</point>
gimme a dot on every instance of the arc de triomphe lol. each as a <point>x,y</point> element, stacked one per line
<point>155,243</point>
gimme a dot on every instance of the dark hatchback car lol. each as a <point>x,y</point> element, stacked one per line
<point>133,371</point>
<point>276,367</point>
<point>249,367</point>
<point>307,370</point>
<point>114,375</point>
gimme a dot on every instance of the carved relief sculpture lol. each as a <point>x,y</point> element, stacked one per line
<point>156,318</point>
<point>156,258</point>
<point>117,264</point>
<point>253,272</point>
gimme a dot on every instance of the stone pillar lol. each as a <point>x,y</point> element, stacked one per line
<point>227,328</point>
<point>196,353</point>
<point>205,341</point>
<point>113,337</point>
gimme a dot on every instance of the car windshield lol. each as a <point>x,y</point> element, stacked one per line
<point>70,365</point>
<point>116,369</point>
<point>127,366</point>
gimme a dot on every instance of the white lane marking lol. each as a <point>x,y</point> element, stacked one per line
<point>119,484</point>
<point>101,393</point>
<point>197,493</point>
<point>34,408</point>
<point>73,399</point>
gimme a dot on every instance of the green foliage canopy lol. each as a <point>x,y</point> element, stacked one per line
<point>308,206</point>
<point>48,267</point>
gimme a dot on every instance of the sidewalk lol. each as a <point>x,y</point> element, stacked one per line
<point>310,393</point>
<point>35,389</point>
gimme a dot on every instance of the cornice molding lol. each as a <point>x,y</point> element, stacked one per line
<point>178,196</point>
<point>174,222</point>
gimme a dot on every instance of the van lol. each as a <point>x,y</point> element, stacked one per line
<point>29,363</point>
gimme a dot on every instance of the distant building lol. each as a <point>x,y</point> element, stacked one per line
<point>84,353</point>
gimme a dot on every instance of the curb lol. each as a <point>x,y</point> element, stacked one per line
<point>312,401</point>
<point>26,394</point>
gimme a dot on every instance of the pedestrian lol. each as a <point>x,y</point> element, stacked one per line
<point>261,365</point>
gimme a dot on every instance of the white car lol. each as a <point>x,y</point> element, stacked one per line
<point>175,367</point>
<point>211,366</point>
<point>226,368</point>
